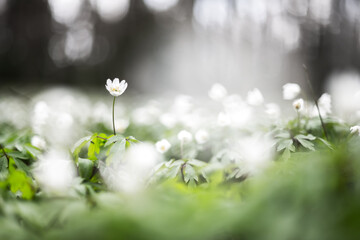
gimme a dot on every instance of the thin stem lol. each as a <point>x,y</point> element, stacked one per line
<point>101,137</point>
<point>316,103</point>
<point>113,116</point>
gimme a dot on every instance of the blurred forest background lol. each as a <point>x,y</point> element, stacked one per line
<point>174,45</point>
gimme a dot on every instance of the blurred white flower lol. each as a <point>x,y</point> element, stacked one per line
<point>272,110</point>
<point>298,104</point>
<point>324,104</point>
<point>168,120</point>
<point>217,92</point>
<point>162,146</point>
<point>184,136</point>
<point>131,173</point>
<point>344,89</point>
<point>115,87</point>
<point>182,104</point>
<point>291,91</point>
<point>55,172</point>
<point>255,97</point>
<point>121,125</point>
<point>201,136</point>
<point>223,119</point>
<point>38,142</point>
<point>256,153</point>
<point>355,130</point>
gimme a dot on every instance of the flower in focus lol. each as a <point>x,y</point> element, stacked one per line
<point>355,130</point>
<point>255,97</point>
<point>217,92</point>
<point>298,104</point>
<point>201,136</point>
<point>116,88</point>
<point>291,91</point>
<point>162,146</point>
<point>38,142</point>
<point>184,136</point>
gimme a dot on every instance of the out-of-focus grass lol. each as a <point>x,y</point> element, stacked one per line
<point>314,195</point>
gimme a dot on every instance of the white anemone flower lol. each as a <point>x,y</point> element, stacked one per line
<point>217,92</point>
<point>324,103</point>
<point>355,130</point>
<point>298,104</point>
<point>291,91</point>
<point>116,88</point>
<point>38,142</point>
<point>256,153</point>
<point>184,136</point>
<point>55,172</point>
<point>272,110</point>
<point>255,97</point>
<point>201,136</point>
<point>162,146</point>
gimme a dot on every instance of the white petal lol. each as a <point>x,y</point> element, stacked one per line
<point>108,82</point>
<point>116,81</point>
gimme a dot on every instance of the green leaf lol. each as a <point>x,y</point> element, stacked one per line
<point>85,168</point>
<point>173,171</point>
<point>3,164</point>
<point>189,173</point>
<point>132,139</point>
<point>196,163</point>
<point>15,154</point>
<point>328,144</point>
<point>79,145</point>
<point>306,144</point>
<point>116,150</point>
<point>33,151</point>
<point>21,165</point>
<point>286,144</point>
<point>286,155</point>
<point>113,139</point>
<point>283,135</point>
<point>19,181</point>
<point>307,137</point>
<point>94,147</point>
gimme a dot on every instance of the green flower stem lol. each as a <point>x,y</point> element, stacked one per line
<point>315,101</point>
<point>113,116</point>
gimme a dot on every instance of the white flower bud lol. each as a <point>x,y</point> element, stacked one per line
<point>185,136</point>
<point>355,130</point>
<point>201,136</point>
<point>38,142</point>
<point>298,104</point>
<point>162,146</point>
